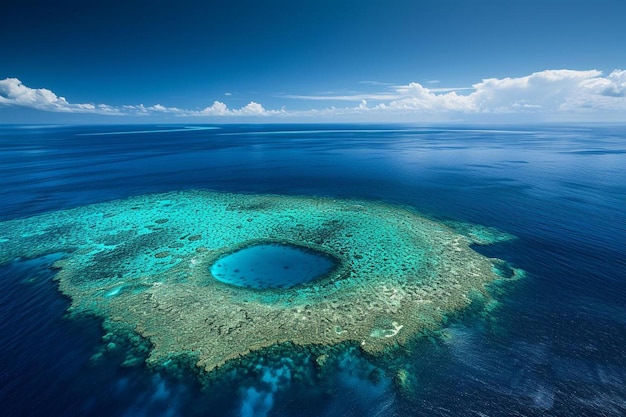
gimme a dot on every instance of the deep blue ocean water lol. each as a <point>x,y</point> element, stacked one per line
<point>556,346</point>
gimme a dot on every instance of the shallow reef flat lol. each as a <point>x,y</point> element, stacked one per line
<point>143,265</point>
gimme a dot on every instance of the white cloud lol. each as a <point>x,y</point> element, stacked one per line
<point>394,93</point>
<point>217,109</point>
<point>13,92</point>
<point>344,97</point>
<point>601,93</point>
<point>252,109</point>
<point>220,109</point>
<point>544,94</point>
<point>163,109</point>
<point>371,82</point>
<point>551,91</point>
<point>540,91</point>
<point>414,96</point>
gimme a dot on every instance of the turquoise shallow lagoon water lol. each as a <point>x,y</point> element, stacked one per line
<point>272,265</point>
<point>555,346</point>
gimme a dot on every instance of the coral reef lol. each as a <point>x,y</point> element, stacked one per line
<point>143,265</point>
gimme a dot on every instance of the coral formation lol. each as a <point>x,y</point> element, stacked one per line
<point>144,266</point>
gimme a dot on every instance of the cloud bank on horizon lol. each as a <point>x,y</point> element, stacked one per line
<point>586,95</point>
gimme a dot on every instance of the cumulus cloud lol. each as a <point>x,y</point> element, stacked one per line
<point>546,92</point>
<point>414,96</point>
<point>13,92</point>
<point>540,91</point>
<point>220,109</point>
<point>253,109</point>
<point>549,92</point>
<point>615,85</point>
<point>217,109</point>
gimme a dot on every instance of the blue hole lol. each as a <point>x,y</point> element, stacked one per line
<point>272,265</point>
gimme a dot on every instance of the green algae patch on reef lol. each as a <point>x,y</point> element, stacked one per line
<point>143,265</point>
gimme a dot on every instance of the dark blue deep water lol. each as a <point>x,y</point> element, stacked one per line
<point>556,346</point>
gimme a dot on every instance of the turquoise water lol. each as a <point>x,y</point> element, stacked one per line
<point>272,265</point>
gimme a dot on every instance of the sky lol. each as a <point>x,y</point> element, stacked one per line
<point>287,61</point>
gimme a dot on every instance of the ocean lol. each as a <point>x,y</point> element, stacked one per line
<point>554,346</point>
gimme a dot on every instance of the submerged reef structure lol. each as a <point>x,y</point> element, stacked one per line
<point>145,266</point>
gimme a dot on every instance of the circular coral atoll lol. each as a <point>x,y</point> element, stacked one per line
<point>144,265</point>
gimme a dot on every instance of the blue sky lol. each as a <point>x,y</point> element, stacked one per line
<point>300,60</point>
